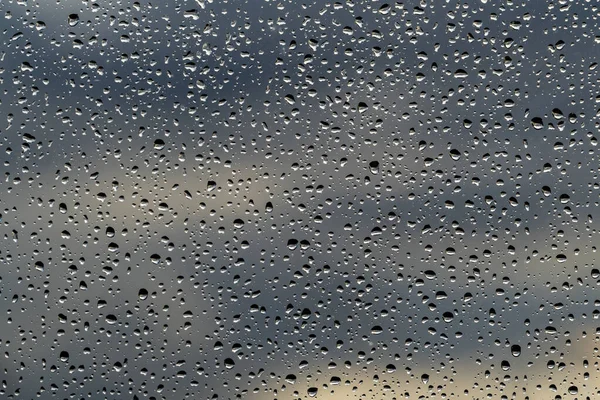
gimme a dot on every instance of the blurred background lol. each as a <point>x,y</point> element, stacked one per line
<point>273,200</point>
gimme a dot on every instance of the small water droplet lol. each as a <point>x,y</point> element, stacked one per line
<point>73,19</point>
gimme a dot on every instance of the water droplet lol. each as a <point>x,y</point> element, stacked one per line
<point>515,350</point>
<point>142,294</point>
<point>376,330</point>
<point>73,19</point>
<point>537,123</point>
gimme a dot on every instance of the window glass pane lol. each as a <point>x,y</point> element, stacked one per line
<point>210,199</point>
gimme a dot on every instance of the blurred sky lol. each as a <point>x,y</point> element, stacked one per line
<point>201,199</point>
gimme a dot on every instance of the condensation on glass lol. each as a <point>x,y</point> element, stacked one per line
<point>261,200</point>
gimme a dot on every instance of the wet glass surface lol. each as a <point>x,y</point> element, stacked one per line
<point>276,200</point>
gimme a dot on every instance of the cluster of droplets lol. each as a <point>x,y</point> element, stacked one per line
<point>299,200</point>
